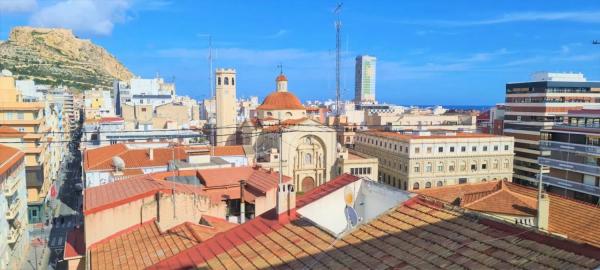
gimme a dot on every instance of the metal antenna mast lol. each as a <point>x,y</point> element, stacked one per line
<point>338,39</point>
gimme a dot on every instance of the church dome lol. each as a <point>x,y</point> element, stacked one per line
<point>281,101</point>
<point>280,78</point>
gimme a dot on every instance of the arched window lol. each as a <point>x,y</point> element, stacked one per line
<point>440,183</point>
<point>269,114</point>
<point>496,164</point>
<point>428,185</point>
<point>483,180</point>
<point>288,114</point>
<point>463,166</point>
<point>226,81</point>
<point>307,158</point>
<point>416,186</point>
<point>451,167</point>
<point>232,81</point>
<point>506,164</point>
<point>440,167</point>
<point>219,81</point>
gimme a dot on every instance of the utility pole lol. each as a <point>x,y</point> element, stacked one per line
<point>338,41</point>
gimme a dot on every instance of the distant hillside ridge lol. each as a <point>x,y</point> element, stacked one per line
<point>57,57</point>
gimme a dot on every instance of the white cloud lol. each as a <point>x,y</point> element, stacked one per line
<point>17,5</point>
<point>89,16</point>
<point>280,33</point>
<point>571,16</point>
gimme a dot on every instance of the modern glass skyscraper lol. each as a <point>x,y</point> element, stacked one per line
<point>365,79</point>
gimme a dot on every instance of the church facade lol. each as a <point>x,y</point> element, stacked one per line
<point>308,149</point>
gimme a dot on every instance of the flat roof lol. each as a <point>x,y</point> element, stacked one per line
<point>451,135</point>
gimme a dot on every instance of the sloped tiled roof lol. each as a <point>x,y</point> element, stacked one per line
<point>324,189</point>
<point>568,217</point>
<point>259,178</point>
<point>74,244</point>
<point>127,190</point>
<point>144,245</point>
<point>101,158</point>
<point>415,235</point>
<point>9,156</point>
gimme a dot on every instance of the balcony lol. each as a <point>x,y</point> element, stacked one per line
<point>13,210</point>
<point>570,166</point>
<point>571,185</point>
<point>11,186</point>
<point>13,235</point>
<point>570,147</point>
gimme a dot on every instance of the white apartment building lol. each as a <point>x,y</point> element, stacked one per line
<point>424,160</point>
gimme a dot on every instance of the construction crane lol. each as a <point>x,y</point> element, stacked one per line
<point>338,44</point>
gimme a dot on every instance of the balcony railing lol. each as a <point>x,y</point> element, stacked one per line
<point>13,210</point>
<point>570,166</point>
<point>571,185</point>
<point>570,147</point>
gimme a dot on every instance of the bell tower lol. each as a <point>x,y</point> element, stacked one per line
<point>225,80</point>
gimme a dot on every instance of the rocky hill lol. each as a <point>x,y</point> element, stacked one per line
<point>56,56</point>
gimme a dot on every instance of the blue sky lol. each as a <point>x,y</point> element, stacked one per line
<point>429,52</point>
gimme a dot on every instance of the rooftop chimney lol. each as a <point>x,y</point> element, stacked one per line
<point>242,202</point>
<point>286,203</point>
<point>543,211</point>
<point>151,153</point>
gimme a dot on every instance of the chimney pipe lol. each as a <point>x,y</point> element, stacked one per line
<point>543,213</point>
<point>151,153</point>
<point>242,202</point>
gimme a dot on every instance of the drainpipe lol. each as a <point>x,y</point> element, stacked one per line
<point>242,202</point>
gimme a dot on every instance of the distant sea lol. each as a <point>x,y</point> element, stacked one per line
<point>458,107</point>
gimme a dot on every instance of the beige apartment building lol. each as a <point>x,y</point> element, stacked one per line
<point>412,161</point>
<point>418,121</point>
<point>358,164</point>
<point>32,124</point>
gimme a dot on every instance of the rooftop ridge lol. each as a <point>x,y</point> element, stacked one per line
<point>556,195</point>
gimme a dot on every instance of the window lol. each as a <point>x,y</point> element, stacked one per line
<point>474,149</point>
<point>463,148</point>
<point>34,212</point>
<point>496,165</point>
<point>219,81</point>
<point>416,168</point>
<point>288,114</point>
<point>483,180</point>
<point>269,114</point>
<point>416,186</point>
<point>440,149</point>
<point>463,166</point>
<point>495,148</point>
<point>417,150</point>
<point>484,148</point>
<point>232,81</point>
<point>143,109</point>
<point>484,165</point>
<point>440,167</point>
<point>428,185</point>
<point>462,180</point>
<point>473,166</point>
<point>429,149</point>
<point>451,166</point>
<point>452,149</point>
<point>440,183</point>
<point>20,115</point>
<point>226,81</point>
<point>506,164</point>
<point>428,167</point>
<point>506,148</point>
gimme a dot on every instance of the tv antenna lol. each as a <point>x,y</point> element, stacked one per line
<point>338,29</point>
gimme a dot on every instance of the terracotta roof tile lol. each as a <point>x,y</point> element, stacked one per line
<point>229,150</point>
<point>323,190</point>
<point>567,216</point>
<point>416,234</point>
<point>101,158</point>
<point>127,190</point>
<point>9,157</point>
<point>144,245</point>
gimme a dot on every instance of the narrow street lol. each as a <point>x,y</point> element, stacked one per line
<point>47,242</point>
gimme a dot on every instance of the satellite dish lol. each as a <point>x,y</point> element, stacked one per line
<point>118,163</point>
<point>351,216</point>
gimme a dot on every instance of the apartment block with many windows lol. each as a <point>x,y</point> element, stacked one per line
<point>420,160</point>
<point>540,104</point>
<point>574,160</point>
